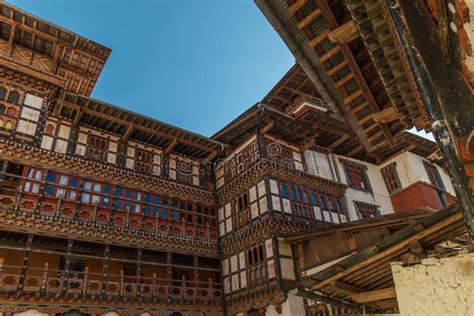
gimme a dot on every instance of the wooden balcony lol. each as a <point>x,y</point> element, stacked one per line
<point>60,283</point>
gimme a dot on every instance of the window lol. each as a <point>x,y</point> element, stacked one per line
<point>128,200</point>
<point>256,264</point>
<point>390,176</point>
<point>205,216</point>
<point>300,198</point>
<point>181,210</point>
<point>33,184</point>
<point>356,175</point>
<point>97,147</point>
<point>61,186</point>
<point>143,161</point>
<point>2,108</point>
<point>435,179</point>
<point>366,210</point>
<point>11,112</point>
<point>49,129</point>
<point>96,193</point>
<point>433,175</point>
<point>240,211</point>
<point>156,205</point>
<point>13,97</point>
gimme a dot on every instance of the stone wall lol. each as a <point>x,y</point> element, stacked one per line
<point>436,286</point>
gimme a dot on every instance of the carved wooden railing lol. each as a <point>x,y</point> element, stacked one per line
<point>19,201</point>
<point>44,281</point>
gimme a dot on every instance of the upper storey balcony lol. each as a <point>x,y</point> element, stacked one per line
<point>61,203</point>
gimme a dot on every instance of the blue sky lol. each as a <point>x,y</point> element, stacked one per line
<point>196,64</point>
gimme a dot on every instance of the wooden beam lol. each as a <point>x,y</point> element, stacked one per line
<point>385,116</point>
<point>347,53</point>
<point>329,54</point>
<point>128,132</point>
<point>344,33</point>
<point>373,296</point>
<point>319,38</point>
<point>339,141</point>
<point>310,18</point>
<point>346,288</point>
<point>355,150</point>
<point>297,5</point>
<point>308,144</point>
<point>266,128</point>
<point>212,155</point>
<point>77,118</point>
<point>171,146</point>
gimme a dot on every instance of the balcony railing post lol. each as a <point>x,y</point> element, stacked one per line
<point>18,197</point>
<point>154,286</point>
<point>183,286</point>
<point>157,228</point>
<point>208,229</point>
<point>211,290</point>
<point>128,218</point>
<point>58,207</point>
<point>121,284</point>
<point>94,213</point>
<point>86,281</point>
<point>44,281</point>
<point>1,273</point>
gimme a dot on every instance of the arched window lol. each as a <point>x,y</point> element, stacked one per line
<point>9,125</point>
<point>2,108</point>
<point>49,129</point>
<point>3,93</point>
<point>13,97</point>
<point>11,112</point>
<point>249,257</point>
<point>2,123</point>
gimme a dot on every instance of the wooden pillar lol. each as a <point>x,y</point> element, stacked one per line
<point>3,171</point>
<point>139,271</point>
<point>170,273</point>
<point>41,190</point>
<point>196,277</point>
<point>105,270</point>
<point>447,99</point>
<point>67,265</point>
<point>24,267</point>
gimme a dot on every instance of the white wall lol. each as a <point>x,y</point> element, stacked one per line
<point>378,196</point>
<point>410,169</point>
<point>293,306</point>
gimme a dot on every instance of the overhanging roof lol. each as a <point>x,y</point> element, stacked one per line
<point>368,270</point>
<point>343,72</point>
<point>130,125</point>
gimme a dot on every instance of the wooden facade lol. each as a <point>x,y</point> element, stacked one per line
<point>103,210</point>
